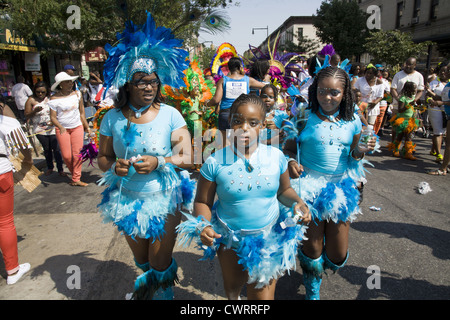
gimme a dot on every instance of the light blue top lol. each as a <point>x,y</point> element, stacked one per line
<point>325,146</point>
<point>152,138</point>
<point>445,95</point>
<point>232,89</point>
<point>246,200</point>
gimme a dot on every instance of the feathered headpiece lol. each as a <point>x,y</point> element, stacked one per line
<point>194,76</point>
<point>280,65</point>
<point>145,49</point>
<point>215,21</point>
<point>328,51</point>
<point>219,63</point>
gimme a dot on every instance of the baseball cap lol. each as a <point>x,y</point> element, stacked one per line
<point>69,67</point>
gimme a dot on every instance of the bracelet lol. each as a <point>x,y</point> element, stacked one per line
<point>202,225</point>
<point>291,159</point>
<point>161,163</point>
<point>113,169</point>
<point>352,154</point>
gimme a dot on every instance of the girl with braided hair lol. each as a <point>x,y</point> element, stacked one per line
<point>329,168</point>
<point>244,226</point>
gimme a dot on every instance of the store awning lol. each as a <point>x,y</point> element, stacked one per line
<point>10,40</point>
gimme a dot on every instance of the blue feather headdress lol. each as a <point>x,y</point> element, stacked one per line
<point>328,51</point>
<point>145,48</point>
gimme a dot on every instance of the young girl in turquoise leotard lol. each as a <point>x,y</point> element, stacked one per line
<point>243,226</point>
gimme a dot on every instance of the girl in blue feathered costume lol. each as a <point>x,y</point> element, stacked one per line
<point>329,167</point>
<point>142,142</point>
<point>245,227</point>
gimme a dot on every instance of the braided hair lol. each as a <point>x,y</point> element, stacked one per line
<point>248,99</point>
<point>409,89</point>
<point>274,89</point>
<point>346,108</point>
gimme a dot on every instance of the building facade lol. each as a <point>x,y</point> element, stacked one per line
<point>293,30</point>
<point>425,20</point>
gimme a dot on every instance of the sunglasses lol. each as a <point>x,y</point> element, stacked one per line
<point>141,85</point>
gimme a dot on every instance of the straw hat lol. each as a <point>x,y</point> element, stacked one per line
<point>60,77</point>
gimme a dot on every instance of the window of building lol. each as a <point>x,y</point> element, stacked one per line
<point>433,9</point>
<point>300,33</point>
<point>400,7</point>
<point>416,12</point>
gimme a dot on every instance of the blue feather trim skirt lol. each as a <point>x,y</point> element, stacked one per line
<point>266,253</point>
<point>143,215</point>
<point>329,197</point>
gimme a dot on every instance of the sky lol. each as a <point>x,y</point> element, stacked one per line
<point>258,14</point>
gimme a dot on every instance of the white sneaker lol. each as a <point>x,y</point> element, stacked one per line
<point>23,268</point>
<point>129,296</point>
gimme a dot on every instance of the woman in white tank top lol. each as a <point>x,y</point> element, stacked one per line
<point>67,114</point>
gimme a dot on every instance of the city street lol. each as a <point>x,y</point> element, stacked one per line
<point>406,242</point>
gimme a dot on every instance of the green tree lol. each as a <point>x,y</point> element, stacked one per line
<point>343,24</point>
<point>46,21</point>
<point>206,56</point>
<point>394,47</point>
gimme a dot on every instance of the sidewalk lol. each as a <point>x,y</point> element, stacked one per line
<point>59,228</point>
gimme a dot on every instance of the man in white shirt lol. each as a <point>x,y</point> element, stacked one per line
<point>407,74</point>
<point>20,91</point>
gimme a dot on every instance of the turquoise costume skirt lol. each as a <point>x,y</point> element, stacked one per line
<point>265,253</point>
<point>143,214</point>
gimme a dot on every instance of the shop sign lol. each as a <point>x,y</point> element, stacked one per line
<point>32,62</point>
<point>97,55</point>
<point>10,40</point>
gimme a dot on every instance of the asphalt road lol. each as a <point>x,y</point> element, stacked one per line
<point>400,252</point>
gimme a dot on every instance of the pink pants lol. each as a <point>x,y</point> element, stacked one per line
<point>71,143</point>
<point>8,234</point>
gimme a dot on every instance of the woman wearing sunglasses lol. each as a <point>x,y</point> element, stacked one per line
<point>142,142</point>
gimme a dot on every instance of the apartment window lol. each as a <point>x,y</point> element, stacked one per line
<point>416,12</point>
<point>289,36</point>
<point>300,33</point>
<point>400,7</point>
<point>433,9</point>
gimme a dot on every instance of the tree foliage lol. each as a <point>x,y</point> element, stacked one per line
<point>206,56</point>
<point>394,47</point>
<point>46,21</point>
<point>342,24</point>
